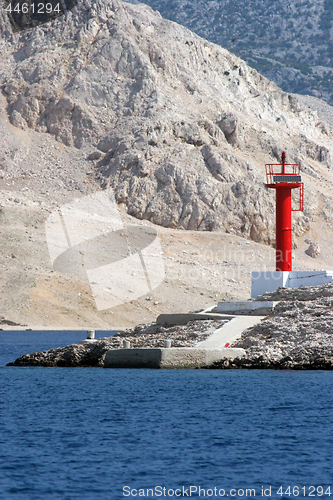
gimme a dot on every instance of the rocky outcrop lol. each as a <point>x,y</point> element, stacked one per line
<point>70,356</point>
<point>299,335</point>
<point>313,250</point>
<point>179,127</point>
<point>317,359</point>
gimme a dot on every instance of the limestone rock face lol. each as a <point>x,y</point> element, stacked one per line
<point>181,128</point>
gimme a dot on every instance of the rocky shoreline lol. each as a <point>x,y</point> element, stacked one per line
<point>316,361</point>
<point>148,336</point>
<point>298,336</point>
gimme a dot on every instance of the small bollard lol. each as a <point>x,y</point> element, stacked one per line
<point>90,337</point>
<point>126,344</point>
<point>90,334</point>
<point>167,343</point>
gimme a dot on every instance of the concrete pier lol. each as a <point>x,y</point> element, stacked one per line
<point>204,354</point>
<point>176,357</point>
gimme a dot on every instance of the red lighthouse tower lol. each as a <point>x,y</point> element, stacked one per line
<point>283,177</point>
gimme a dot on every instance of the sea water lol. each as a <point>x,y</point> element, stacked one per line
<point>96,434</point>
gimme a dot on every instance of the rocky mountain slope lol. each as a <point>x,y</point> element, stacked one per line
<point>111,94</point>
<point>290,42</point>
<point>181,125</point>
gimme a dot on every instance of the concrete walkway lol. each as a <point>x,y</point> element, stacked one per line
<point>229,332</point>
<point>203,354</point>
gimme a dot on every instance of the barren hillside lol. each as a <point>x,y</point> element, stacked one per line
<point>113,95</point>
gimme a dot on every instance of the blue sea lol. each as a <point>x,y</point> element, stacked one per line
<point>95,434</point>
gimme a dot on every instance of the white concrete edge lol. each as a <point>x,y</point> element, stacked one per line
<point>208,309</point>
<point>245,306</point>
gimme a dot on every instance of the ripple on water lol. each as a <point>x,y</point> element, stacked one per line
<point>84,433</point>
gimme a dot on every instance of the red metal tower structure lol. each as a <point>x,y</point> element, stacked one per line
<point>283,177</point>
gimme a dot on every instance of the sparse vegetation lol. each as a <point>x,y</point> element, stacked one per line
<point>258,32</point>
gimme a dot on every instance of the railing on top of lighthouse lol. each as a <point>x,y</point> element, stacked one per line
<point>287,175</point>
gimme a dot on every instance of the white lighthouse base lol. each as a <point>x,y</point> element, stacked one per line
<point>269,281</point>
